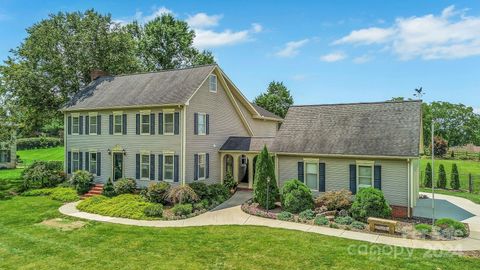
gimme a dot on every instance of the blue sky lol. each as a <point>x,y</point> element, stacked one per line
<point>327,52</point>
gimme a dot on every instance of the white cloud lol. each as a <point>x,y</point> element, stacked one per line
<point>257,28</point>
<point>333,57</point>
<point>476,110</point>
<point>202,20</point>
<point>141,18</point>
<point>292,48</point>
<point>448,35</point>
<point>299,77</point>
<point>208,38</point>
<point>362,59</point>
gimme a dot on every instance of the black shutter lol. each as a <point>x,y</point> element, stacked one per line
<point>87,164</point>
<point>176,166</point>
<point>80,161</point>
<point>321,177</point>
<point>207,124</point>
<point>124,123</point>
<point>99,124</point>
<point>195,123</point>
<point>110,124</point>
<point>9,155</point>
<point>195,167</point>
<point>176,123</point>
<point>137,124</point>
<point>377,176</point>
<point>353,178</point>
<point>69,162</point>
<point>80,125</point>
<point>152,167</point>
<point>160,123</point>
<point>137,167</point>
<point>152,124</point>
<point>160,167</point>
<point>69,125</point>
<point>207,165</point>
<point>87,127</point>
<point>99,163</point>
<point>300,171</point>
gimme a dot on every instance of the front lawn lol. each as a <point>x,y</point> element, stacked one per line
<point>47,154</point>
<point>474,197</point>
<point>24,244</point>
<point>465,167</point>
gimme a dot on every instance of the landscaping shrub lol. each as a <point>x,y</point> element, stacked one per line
<point>358,225</point>
<point>125,186</point>
<point>109,189</point>
<point>344,220</point>
<point>198,206</point>
<point>43,174</point>
<point>441,146</point>
<point>264,170</point>
<point>423,228</point>
<point>454,179</point>
<point>82,181</point>
<point>38,142</point>
<point>321,220</point>
<point>370,202</point>
<point>182,209</point>
<point>442,177</point>
<point>218,193</point>
<point>335,200</point>
<point>63,194</point>
<point>285,216</point>
<point>296,196</point>
<point>428,176</point>
<point>451,227</point>
<point>228,181</point>
<point>156,192</point>
<point>125,205</point>
<point>200,188</point>
<point>342,213</point>
<point>306,215</point>
<point>154,210</point>
<point>334,226</point>
<point>182,194</point>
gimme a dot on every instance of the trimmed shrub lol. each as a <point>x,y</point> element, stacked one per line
<point>43,174</point>
<point>182,194</point>
<point>154,210</point>
<point>125,186</point>
<point>228,181</point>
<point>358,225</point>
<point>200,188</point>
<point>334,226</point>
<point>423,228</point>
<point>285,216</point>
<point>63,194</point>
<point>428,176</point>
<point>125,205</point>
<point>455,227</point>
<point>82,181</point>
<point>156,192</point>
<point>182,209</point>
<point>198,206</point>
<point>370,202</point>
<point>218,193</point>
<point>344,220</point>
<point>442,177</point>
<point>109,189</point>
<point>454,179</point>
<point>335,200</point>
<point>264,171</point>
<point>38,142</point>
<point>306,215</point>
<point>321,220</point>
<point>296,196</point>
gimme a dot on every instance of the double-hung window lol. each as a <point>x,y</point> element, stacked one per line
<point>93,124</point>
<point>145,166</point>
<point>4,156</point>
<point>93,163</point>
<point>75,124</point>
<point>168,125</point>
<point>311,175</point>
<point>145,123</point>
<point>201,166</point>
<point>117,123</point>
<point>168,165</point>
<point>202,123</point>
<point>213,83</point>
<point>364,175</point>
<point>75,161</point>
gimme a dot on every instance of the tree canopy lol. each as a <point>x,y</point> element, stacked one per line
<point>277,99</point>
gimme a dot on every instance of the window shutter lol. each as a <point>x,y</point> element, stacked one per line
<point>87,127</point>
<point>377,177</point>
<point>176,167</point>
<point>152,124</point>
<point>160,123</point>
<point>80,125</point>
<point>207,124</point>
<point>110,124</point>
<point>353,178</point>
<point>87,164</point>
<point>99,124</point>
<point>195,123</point>
<point>80,160</point>
<point>321,177</point>
<point>9,156</point>
<point>152,167</point>
<point>176,123</point>
<point>69,125</point>
<point>137,166</point>
<point>69,162</point>
<point>207,165</point>
<point>137,124</point>
<point>124,124</point>
<point>300,171</point>
<point>99,163</point>
<point>195,167</point>
<point>160,167</point>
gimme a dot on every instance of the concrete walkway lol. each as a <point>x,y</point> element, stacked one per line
<point>235,216</point>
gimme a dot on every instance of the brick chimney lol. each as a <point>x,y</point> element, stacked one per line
<point>97,73</point>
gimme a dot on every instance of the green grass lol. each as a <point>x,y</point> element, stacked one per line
<point>474,197</point>
<point>464,168</point>
<point>48,154</point>
<point>25,245</point>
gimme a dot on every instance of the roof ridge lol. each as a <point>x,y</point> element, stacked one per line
<point>360,103</point>
<point>158,71</point>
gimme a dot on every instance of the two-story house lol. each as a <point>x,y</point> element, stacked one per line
<point>194,124</point>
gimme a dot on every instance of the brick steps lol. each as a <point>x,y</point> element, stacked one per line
<point>95,190</point>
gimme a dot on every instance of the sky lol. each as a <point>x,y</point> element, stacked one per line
<point>323,51</point>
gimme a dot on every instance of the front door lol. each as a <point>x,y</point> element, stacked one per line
<point>117,166</point>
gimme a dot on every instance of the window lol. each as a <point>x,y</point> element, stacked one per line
<point>168,123</point>
<point>168,168</point>
<point>4,156</point>
<point>93,125</point>
<point>201,166</point>
<point>93,163</point>
<point>117,123</point>
<point>202,124</point>
<point>75,124</point>
<point>365,176</point>
<point>145,166</point>
<point>311,175</point>
<point>75,161</point>
<point>213,83</point>
<point>145,123</point>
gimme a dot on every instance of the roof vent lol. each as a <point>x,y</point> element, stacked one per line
<point>97,73</point>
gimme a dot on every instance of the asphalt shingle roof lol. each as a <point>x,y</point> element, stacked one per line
<point>247,143</point>
<point>265,113</point>
<point>376,129</point>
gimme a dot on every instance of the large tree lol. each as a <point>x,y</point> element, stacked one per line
<point>276,99</point>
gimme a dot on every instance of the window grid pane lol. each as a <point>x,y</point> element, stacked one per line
<point>93,163</point>
<point>75,124</point>
<point>201,166</point>
<point>365,176</point>
<point>145,166</point>
<point>312,175</point>
<point>201,123</point>
<point>93,125</point>
<point>168,123</point>
<point>145,123</point>
<point>118,124</point>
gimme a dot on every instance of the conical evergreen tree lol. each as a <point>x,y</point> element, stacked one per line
<point>454,179</point>
<point>442,177</point>
<point>428,176</point>
<point>108,189</point>
<point>265,170</point>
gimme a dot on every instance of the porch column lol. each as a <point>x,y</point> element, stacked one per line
<point>250,171</point>
<point>222,167</point>
<point>235,167</point>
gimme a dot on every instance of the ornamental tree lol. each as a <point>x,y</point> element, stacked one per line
<point>265,181</point>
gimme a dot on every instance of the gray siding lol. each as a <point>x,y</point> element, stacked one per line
<point>261,128</point>
<point>394,175</point>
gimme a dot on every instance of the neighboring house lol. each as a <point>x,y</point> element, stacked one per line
<point>8,155</point>
<point>194,124</point>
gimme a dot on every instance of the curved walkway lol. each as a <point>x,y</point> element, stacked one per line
<point>235,216</point>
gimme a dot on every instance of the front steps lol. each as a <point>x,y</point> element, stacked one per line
<point>95,190</point>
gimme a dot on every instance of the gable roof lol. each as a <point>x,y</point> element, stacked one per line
<point>263,112</point>
<point>169,87</point>
<point>370,129</point>
<point>235,143</point>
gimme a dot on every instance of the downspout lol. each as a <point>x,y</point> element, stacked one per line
<point>409,178</point>
<point>184,142</point>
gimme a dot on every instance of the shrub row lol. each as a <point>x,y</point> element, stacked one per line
<point>38,142</point>
<point>43,174</point>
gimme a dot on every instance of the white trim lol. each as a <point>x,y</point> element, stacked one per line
<point>204,123</point>
<point>123,164</point>
<point>370,164</point>
<point>315,162</point>
<point>118,113</point>
<point>168,110</point>
<point>78,160</point>
<point>165,122</point>
<point>204,166</point>
<point>210,83</point>
<point>144,153</point>
<point>145,113</point>
<point>92,116</point>
<point>90,162</point>
<point>170,154</point>
<point>77,116</point>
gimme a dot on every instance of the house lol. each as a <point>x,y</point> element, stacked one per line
<point>194,124</point>
<point>8,155</point>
